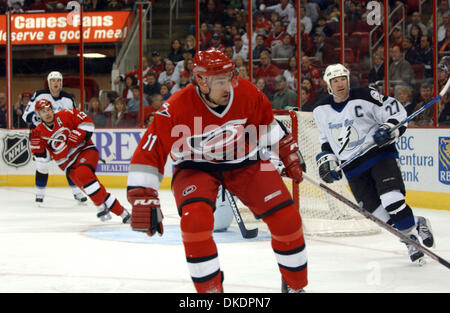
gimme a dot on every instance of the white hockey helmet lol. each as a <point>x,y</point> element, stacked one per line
<point>55,75</point>
<point>333,71</point>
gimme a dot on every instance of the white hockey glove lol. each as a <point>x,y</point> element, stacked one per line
<point>327,162</point>
<point>385,136</point>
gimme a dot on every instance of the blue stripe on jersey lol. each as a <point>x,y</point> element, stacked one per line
<point>370,163</point>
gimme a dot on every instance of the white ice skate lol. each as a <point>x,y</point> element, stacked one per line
<point>425,232</point>
<point>103,213</point>
<point>286,289</point>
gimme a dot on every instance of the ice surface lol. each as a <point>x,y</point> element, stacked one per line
<point>63,247</point>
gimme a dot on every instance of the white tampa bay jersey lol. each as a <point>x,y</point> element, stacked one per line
<point>64,101</point>
<point>348,127</point>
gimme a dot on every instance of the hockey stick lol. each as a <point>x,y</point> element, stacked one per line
<point>246,233</point>
<point>377,221</point>
<point>406,120</point>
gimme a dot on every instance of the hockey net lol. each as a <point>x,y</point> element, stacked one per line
<point>322,214</point>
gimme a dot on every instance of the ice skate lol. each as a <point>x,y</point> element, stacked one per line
<point>126,217</point>
<point>415,255</point>
<point>425,232</point>
<point>286,289</point>
<point>103,213</point>
<point>80,198</point>
<point>39,201</point>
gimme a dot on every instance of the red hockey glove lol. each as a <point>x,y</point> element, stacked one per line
<point>291,158</point>
<point>37,145</point>
<point>76,137</point>
<point>146,215</point>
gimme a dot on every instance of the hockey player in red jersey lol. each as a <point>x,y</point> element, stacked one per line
<point>214,130</point>
<point>66,138</point>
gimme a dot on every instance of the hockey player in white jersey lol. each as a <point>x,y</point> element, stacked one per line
<point>60,100</point>
<point>350,120</point>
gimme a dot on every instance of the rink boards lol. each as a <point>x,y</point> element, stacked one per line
<point>424,161</point>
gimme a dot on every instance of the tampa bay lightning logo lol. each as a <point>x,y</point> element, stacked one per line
<point>345,135</point>
<point>444,160</point>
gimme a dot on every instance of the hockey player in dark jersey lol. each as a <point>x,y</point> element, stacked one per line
<point>60,100</point>
<point>350,120</point>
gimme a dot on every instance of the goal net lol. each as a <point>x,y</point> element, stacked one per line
<point>322,214</point>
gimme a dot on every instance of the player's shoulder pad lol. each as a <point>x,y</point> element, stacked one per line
<point>65,94</point>
<point>40,92</point>
<point>368,94</point>
<point>324,100</point>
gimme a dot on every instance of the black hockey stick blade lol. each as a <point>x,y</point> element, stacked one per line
<point>246,233</point>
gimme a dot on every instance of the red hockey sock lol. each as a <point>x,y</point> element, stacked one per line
<point>197,224</point>
<point>289,246</point>
<point>85,178</point>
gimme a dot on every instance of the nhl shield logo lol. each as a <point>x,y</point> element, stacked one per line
<point>15,150</point>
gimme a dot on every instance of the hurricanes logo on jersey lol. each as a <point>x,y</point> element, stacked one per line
<point>57,141</point>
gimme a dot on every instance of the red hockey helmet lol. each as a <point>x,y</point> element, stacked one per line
<point>42,104</point>
<point>212,62</point>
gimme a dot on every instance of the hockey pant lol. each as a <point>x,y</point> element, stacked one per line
<point>265,194</point>
<point>41,177</point>
<point>382,192</point>
<point>82,173</point>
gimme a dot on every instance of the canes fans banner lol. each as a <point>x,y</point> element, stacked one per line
<point>64,28</point>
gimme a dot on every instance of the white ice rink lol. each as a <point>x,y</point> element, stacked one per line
<point>63,247</point>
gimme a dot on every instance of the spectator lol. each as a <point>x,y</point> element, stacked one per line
<point>157,101</point>
<point>176,51</point>
<point>426,55</point>
<point>229,52</point>
<point>205,36</point>
<point>130,81</point>
<point>400,69</point>
<point>276,36</point>
<point>285,49</point>
<point>352,11</point>
<point>259,47</point>
<point>306,82</point>
<point>189,45</point>
<point>185,79</point>
<point>291,73</point>
<point>424,119</point>
<point>111,96</point>
<point>3,111</point>
<point>243,72</point>
<point>377,71</point>
<point>319,46</point>
<point>306,20</point>
<point>416,19</point>
<point>285,10</point>
<point>39,5</point>
<point>263,26</point>
<point>403,94</point>
<point>186,65</point>
<point>114,5</point>
<point>134,103</point>
<point>411,52</point>
<point>239,61</point>
<point>95,112</point>
<point>216,42</point>
<point>152,85</point>
<point>267,70</point>
<point>305,105</point>
<point>444,46</point>
<point>307,44</point>
<point>134,73</point>
<point>16,7</point>
<point>310,71</point>
<point>157,64</point>
<point>443,75</point>
<point>283,98</point>
<point>322,26</point>
<point>18,110</point>
<point>444,114</point>
<point>397,37</point>
<point>119,116</point>
<point>165,91</point>
<point>416,34</point>
<point>261,86</point>
<point>210,14</point>
<point>444,26</point>
<point>311,9</point>
<point>169,75</point>
<point>239,48</point>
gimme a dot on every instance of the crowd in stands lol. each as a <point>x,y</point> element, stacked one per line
<point>223,25</point>
<point>23,6</point>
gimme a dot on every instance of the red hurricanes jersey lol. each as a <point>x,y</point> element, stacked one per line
<point>195,136</point>
<point>55,137</point>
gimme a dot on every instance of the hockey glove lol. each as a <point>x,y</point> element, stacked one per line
<point>37,145</point>
<point>327,162</point>
<point>76,137</point>
<point>291,158</point>
<point>385,136</point>
<point>146,215</point>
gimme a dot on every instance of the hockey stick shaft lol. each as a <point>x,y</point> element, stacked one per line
<point>406,120</point>
<point>377,221</point>
<point>246,233</point>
